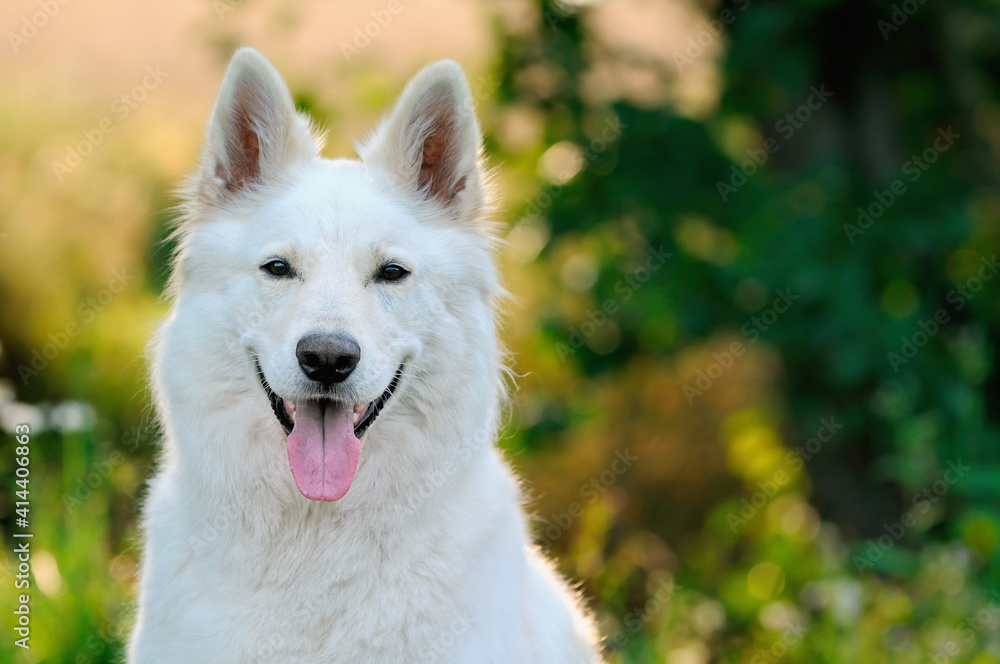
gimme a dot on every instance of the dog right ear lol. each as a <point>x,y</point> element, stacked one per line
<point>430,144</point>
<point>254,136</point>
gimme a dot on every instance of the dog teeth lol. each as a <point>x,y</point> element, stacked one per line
<point>359,412</point>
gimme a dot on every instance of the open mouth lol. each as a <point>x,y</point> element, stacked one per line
<point>324,438</point>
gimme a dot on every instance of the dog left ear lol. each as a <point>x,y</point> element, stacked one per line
<point>430,143</point>
<point>254,135</point>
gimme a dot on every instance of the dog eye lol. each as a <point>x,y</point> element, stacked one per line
<point>392,272</point>
<point>277,267</point>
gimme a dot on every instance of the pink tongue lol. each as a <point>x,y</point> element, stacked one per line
<point>322,449</point>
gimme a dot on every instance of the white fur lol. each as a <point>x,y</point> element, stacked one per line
<point>428,557</point>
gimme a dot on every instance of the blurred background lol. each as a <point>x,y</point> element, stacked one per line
<point>751,244</point>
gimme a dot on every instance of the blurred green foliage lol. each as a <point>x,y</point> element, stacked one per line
<point>756,333</point>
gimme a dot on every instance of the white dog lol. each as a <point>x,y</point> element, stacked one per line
<point>329,381</point>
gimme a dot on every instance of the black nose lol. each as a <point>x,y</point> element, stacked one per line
<point>327,358</point>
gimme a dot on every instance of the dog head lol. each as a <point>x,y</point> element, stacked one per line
<point>347,282</point>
